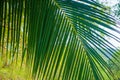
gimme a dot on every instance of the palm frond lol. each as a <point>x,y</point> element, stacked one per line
<point>60,38</point>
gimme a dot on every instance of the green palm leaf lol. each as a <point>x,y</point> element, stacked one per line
<point>60,38</point>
